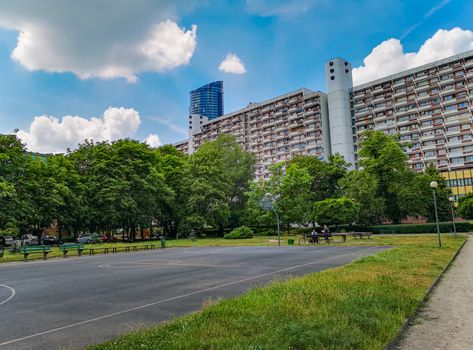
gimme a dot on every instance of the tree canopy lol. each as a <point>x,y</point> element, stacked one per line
<point>126,186</point>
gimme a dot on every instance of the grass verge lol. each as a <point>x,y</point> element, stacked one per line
<point>358,306</point>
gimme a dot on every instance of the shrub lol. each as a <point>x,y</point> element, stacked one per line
<point>240,232</point>
<point>445,227</point>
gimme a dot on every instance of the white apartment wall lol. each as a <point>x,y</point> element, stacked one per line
<point>339,83</point>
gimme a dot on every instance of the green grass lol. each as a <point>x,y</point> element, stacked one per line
<point>358,306</point>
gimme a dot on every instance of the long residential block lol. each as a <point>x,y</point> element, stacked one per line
<point>430,107</point>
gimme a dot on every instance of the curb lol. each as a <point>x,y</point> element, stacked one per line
<point>393,343</point>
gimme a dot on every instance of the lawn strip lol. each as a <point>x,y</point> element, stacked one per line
<point>359,306</point>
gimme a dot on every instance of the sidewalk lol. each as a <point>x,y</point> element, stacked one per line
<point>446,322</point>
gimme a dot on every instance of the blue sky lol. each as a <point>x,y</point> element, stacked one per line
<point>79,59</point>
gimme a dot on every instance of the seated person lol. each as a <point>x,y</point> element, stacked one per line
<point>313,236</point>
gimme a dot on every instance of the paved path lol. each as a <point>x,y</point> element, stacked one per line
<point>447,320</point>
<point>73,302</point>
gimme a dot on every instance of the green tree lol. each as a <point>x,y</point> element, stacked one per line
<point>325,175</point>
<point>402,191</point>
<point>40,196</point>
<point>362,188</point>
<point>255,214</point>
<point>294,196</point>
<point>13,160</point>
<point>335,211</point>
<point>173,164</point>
<point>465,207</point>
<point>218,176</point>
<point>124,187</point>
<point>442,193</point>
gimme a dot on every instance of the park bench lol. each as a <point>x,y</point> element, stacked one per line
<point>27,250</point>
<point>71,246</point>
<point>331,235</point>
<point>344,235</point>
<point>105,250</point>
<point>360,234</point>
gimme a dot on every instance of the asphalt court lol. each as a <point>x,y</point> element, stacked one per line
<point>71,303</point>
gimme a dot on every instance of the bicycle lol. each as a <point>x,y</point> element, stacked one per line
<point>308,238</point>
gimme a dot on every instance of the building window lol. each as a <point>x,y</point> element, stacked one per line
<point>450,108</point>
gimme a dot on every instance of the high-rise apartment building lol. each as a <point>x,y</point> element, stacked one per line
<point>274,130</point>
<point>207,100</point>
<point>430,107</point>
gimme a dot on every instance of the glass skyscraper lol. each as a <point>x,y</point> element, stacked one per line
<point>207,100</point>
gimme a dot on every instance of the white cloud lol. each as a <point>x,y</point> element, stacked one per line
<point>105,39</point>
<point>153,140</point>
<point>389,57</point>
<point>48,134</point>
<point>232,64</point>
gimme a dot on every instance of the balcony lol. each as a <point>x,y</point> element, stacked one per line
<point>377,90</point>
<point>427,137</point>
<point>453,132</point>
<point>422,88</point>
<point>445,70</point>
<point>361,114</point>
<point>457,165</point>
<point>469,74</point>
<point>295,117</point>
<point>445,81</point>
<point>429,147</point>
<point>449,112</point>
<point>399,94</point>
<point>468,64</point>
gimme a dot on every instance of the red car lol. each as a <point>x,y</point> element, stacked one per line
<point>105,238</point>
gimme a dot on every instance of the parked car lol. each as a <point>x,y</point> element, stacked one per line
<point>50,240</point>
<point>106,238</point>
<point>8,240</point>
<point>29,239</point>
<point>84,239</point>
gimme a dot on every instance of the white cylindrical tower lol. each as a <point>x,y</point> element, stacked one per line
<point>195,125</point>
<point>339,83</point>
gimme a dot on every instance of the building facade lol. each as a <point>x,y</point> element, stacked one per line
<point>274,130</point>
<point>207,100</point>
<point>430,107</point>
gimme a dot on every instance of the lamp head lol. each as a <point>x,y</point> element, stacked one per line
<point>451,199</point>
<point>434,184</point>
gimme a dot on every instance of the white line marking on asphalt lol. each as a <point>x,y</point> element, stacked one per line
<point>135,265</point>
<point>12,291</point>
<point>179,297</point>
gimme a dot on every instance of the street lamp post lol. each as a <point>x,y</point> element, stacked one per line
<point>269,205</point>
<point>452,200</point>
<point>433,186</point>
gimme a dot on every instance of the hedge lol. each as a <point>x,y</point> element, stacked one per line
<point>445,227</point>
